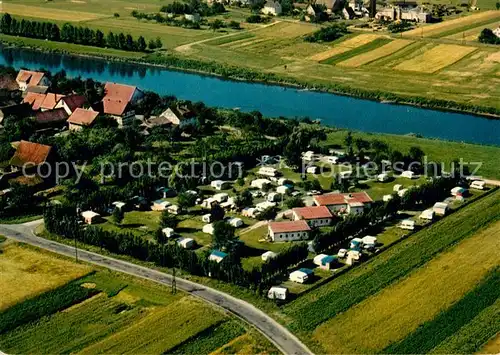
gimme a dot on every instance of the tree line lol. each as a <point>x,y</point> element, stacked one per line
<point>71,34</point>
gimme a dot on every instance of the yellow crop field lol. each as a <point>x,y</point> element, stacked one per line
<point>160,330</point>
<point>26,273</point>
<point>472,34</point>
<point>345,46</point>
<point>286,30</point>
<point>492,347</point>
<point>399,309</point>
<point>375,54</point>
<point>436,58</point>
<point>49,14</point>
<point>441,27</point>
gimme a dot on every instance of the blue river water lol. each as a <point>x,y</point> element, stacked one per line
<point>271,100</point>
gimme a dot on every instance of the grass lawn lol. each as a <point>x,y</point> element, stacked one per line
<point>376,43</point>
<point>27,272</point>
<point>400,308</point>
<point>252,237</point>
<point>136,222</point>
<point>436,150</point>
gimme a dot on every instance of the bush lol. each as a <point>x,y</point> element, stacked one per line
<point>328,34</point>
<point>396,27</point>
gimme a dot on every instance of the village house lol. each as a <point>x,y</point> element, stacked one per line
<point>26,78</point>
<point>51,118</point>
<point>396,13</point>
<point>29,156</point>
<point>176,115</point>
<point>352,203</point>
<point>118,101</point>
<point>71,102</point>
<point>35,100</point>
<point>331,5</point>
<point>288,231</point>
<point>315,216</point>
<point>81,118</point>
<point>50,101</point>
<point>272,7</point>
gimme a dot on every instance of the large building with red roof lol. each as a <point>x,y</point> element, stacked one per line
<point>315,216</point>
<point>352,203</point>
<point>118,101</point>
<point>82,118</point>
<point>26,78</point>
<point>288,231</point>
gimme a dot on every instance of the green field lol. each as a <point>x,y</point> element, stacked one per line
<point>376,43</point>
<point>113,313</point>
<point>310,311</point>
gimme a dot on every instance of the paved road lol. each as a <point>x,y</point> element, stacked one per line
<point>279,335</point>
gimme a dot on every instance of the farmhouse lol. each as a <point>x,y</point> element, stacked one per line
<point>260,183</point>
<point>217,256</point>
<point>81,118</point>
<point>354,202</point>
<point>277,293</point>
<point>315,216</point>
<point>395,13</point>
<point>272,7</point>
<point>71,102</point>
<point>175,115</point>
<point>186,243</point>
<point>90,217</point>
<point>440,208</point>
<point>288,231</point>
<point>118,101</point>
<point>268,255</point>
<point>27,78</point>
<point>301,275</point>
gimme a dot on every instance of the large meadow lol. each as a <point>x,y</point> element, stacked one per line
<point>52,305</point>
<point>443,60</point>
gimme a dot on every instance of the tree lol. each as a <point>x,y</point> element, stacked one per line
<point>498,5</point>
<point>160,237</point>
<point>268,214</point>
<point>216,24</point>
<point>117,215</point>
<point>244,199</point>
<point>217,212</point>
<point>152,44</point>
<point>348,142</point>
<point>223,235</point>
<point>186,200</point>
<point>235,25</point>
<point>141,44</point>
<point>294,202</point>
<point>158,42</point>
<point>487,36</point>
<point>168,220</point>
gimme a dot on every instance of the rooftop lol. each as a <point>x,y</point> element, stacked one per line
<point>83,117</point>
<point>342,199</point>
<point>28,152</point>
<point>289,226</point>
<point>313,212</point>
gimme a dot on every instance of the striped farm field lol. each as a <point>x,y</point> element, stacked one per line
<point>436,58</point>
<point>365,48</point>
<point>345,46</point>
<point>27,273</point>
<point>440,29</point>
<point>228,40</point>
<point>473,33</point>
<point>375,54</point>
<point>49,14</point>
<point>400,309</point>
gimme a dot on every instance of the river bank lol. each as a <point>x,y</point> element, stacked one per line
<point>226,72</point>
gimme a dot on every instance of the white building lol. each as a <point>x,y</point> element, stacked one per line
<point>383,177</point>
<point>268,255</point>
<point>208,228</point>
<point>262,206</point>
<point>272,8</point>
<point>283,190</point>
<point>274,197</point>
<point>478,185</point>
<point>397,187</point>
<point>168,232</point>
<point>386,198</point>
<point>288,231</point>
<point>217,256</point>
<point>220,184</point>
<point>260,183</point>
<point>408,224</point>
<point>207,218</point>
<point>186,243</point>
<point>235,222</point>
<point>90,217</point>
<point>277,293</point>
<point>160,205</point>
<point>301,275</point>
<point>440,208</point>
<point>315,216</point>
<point>428,214</point>
<point>267,171</point>
<point>408,174</point>
<point>312,170</point>
<point>174,209</point>
<point>220,197</point>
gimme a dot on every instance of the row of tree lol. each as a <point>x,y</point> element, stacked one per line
<point>71,34</point>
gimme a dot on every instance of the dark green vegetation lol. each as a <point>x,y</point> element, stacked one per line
<point>44,304</point>
<point>431,334</point>
<point>353,287</point>
<point>396,27</point>
<point>487,36</point>
<point>70,34</point>
<point>356,51</point>
<point>328,34</point>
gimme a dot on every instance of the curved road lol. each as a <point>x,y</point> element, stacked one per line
<point>275,332</point>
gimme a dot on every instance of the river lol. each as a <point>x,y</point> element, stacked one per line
<point>271,100</point>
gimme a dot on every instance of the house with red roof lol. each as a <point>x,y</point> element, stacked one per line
<point>71,102</point>
<point>29,155</point>
<point>288,231</point>
<point>35,100</point>
<point>26,78</point>
<point>118,102</point>
<point>315,216</point>
<point>81,118</point>
<point>351,203</point>
<point>50,101</point>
